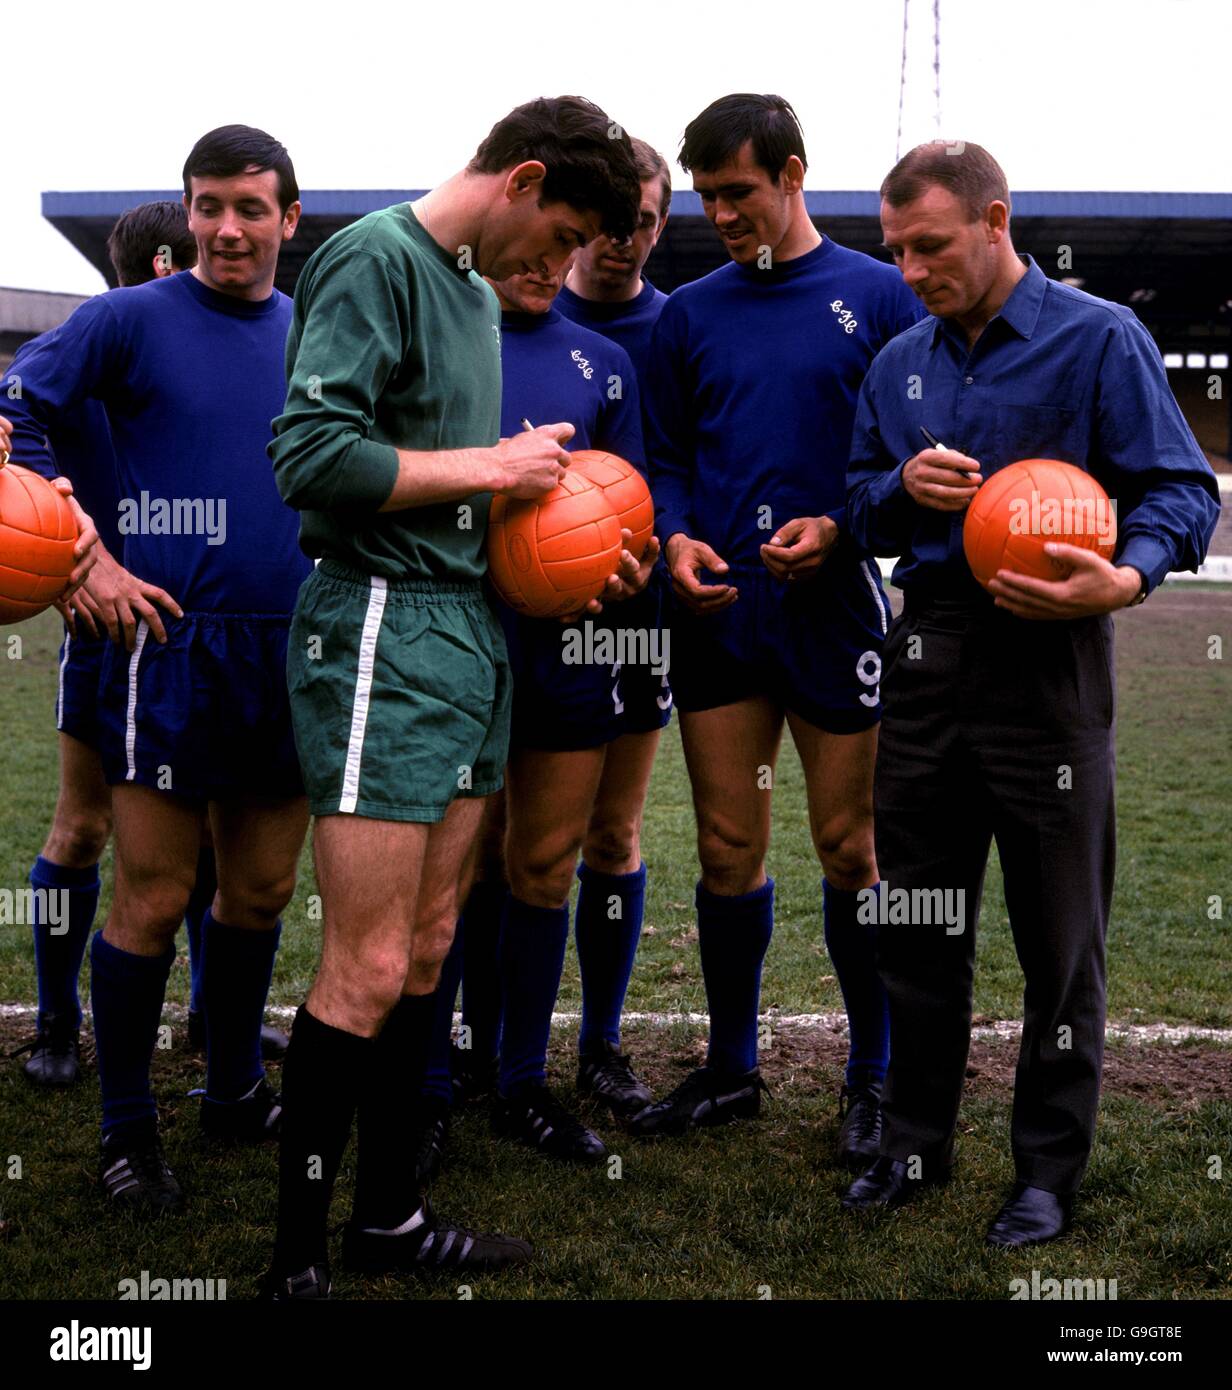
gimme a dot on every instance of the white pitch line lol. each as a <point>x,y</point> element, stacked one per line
<point>1006,1029</point>
<point>1003,1028</point>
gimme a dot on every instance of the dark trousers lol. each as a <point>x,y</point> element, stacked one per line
<point>997,728</point>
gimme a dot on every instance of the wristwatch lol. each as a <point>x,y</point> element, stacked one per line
<point>1140,596</point>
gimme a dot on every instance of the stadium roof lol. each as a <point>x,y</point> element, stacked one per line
<point>26,313</point>
<point>1167,254</point>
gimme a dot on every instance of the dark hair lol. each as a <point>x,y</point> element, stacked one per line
<point>717,136</point>
<point>651,165</point>
<point>139,235</point>
<point>588,158</point>
<point>968,171</point>
<point>237,149</point>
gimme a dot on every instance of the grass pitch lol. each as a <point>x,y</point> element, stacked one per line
<point>751,1211</point>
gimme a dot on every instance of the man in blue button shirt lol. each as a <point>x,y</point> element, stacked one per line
<point>999,709</point>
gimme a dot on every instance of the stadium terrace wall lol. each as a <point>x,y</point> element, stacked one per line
<point>1167,255</point>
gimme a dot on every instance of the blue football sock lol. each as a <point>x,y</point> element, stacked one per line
<point>438,1076</point>
<point>532,955</point>
<point>199,904</point>
<point>480,925</point>
<point>608,928</point>
<point>65,901</point>
<point>732,936</point>
<point>126,1000</point>
<point>236,968</point>
<point>852,948</point>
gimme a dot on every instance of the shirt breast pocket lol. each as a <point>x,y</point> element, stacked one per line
<point>1039,432</point>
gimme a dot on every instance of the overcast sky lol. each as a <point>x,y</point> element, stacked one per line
<point>1068,94</point>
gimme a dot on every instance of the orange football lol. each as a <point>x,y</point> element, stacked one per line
<point>37,534</point>
<point>550,555</point>
<point>1023,506</point>
<point>626,490</point>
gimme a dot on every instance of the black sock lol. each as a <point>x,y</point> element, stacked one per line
<point>321,1078</point>
<point>481,977</point>
<point>385,1194</point>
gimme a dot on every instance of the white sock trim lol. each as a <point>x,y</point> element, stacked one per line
<point>413,1222</point>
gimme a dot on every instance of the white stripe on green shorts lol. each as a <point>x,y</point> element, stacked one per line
<point>363,691</point>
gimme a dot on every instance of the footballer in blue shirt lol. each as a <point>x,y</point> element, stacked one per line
<point>190,369</point>
<point>605,289</point>
<point>1000,706</point>
<point>585,728</point>
<point>749,400</point>
<point>577,715</point>
<point>147,242</point>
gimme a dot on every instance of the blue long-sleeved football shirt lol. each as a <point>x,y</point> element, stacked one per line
<point>85,455</point>
<point>629,322</point>
<point>750,393</point>
<point>1056,374</point>
<point>553,370</point>
<point>190,380</point>
<point>82,451</point>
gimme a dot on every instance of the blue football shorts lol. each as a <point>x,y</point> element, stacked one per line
<point>77,685</point>
<point>812,646</point>
<point>205,715</point>
<point>585,684</point>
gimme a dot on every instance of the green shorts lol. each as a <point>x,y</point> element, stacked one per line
<point>400,694</point>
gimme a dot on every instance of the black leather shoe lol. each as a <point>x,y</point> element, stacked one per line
<point>426,1243</point>
<point>1030,1216</point>
<point>135,1175</point>
<point>859,1138</point>
<point>252,1119</point>
<point>55,1054</point>
<point>273,1040</point>
<point>887,1183</point>
<point>607,1074</point>
<point>534,1115</point>
<point>705,1097</point>
<point>472,1080</point>
<point>313,1282</point>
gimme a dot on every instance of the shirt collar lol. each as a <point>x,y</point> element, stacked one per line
<point>1020,311</point>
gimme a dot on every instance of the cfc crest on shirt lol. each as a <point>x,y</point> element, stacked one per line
<point>846,321</point>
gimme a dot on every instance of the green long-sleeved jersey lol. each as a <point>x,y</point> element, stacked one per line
<point>391,346</point>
